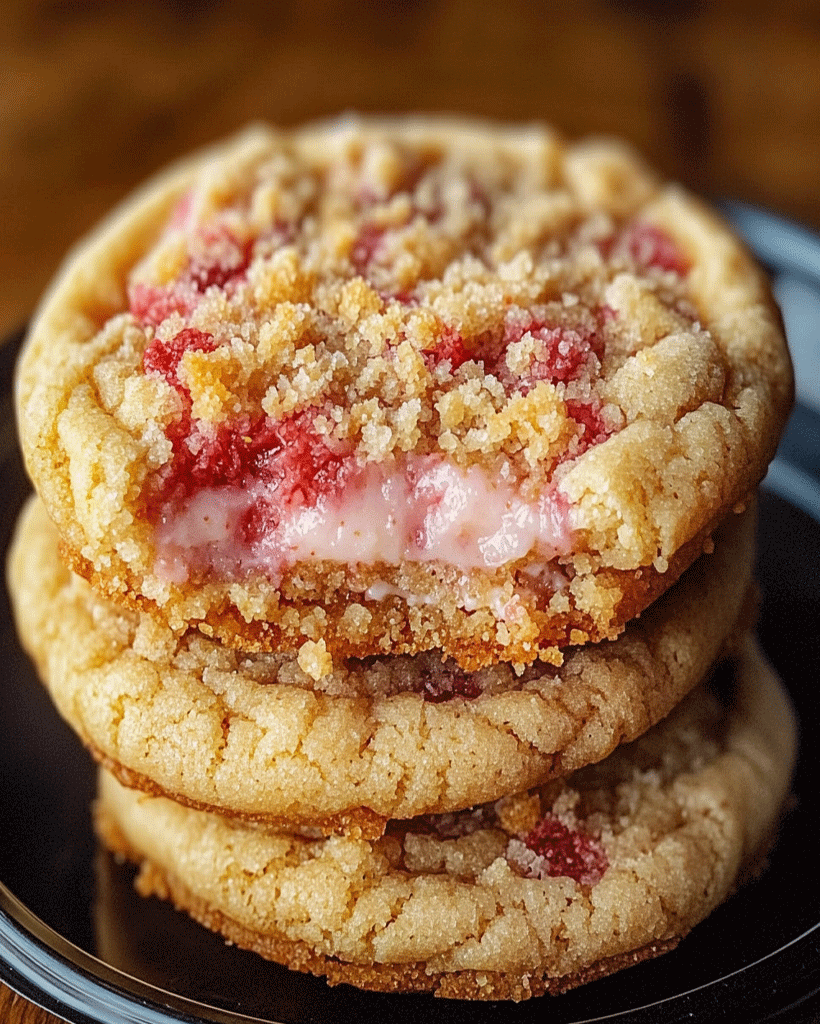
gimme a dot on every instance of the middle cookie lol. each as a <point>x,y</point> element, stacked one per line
<point>347,745</point>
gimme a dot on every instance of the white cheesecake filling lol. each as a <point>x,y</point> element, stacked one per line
<point>425,510</point>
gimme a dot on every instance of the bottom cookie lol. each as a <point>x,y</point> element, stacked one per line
<point>536,893</point>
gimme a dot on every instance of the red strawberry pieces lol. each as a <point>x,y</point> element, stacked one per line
<point>562,851</point>
<point>163,357</point>
<point>296,465</point>
<point>217,259</point>
<point>450,347</point>
<point>447,682</point>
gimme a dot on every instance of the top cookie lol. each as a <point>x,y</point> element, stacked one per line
<point>401,384</point>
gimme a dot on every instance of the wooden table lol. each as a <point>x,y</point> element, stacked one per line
<point>724,96</point>
<point>16,1010</point>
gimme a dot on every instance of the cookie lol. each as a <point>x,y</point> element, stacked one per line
<point>270,737</point>
<point>401,385</point>
<point>535,893</point>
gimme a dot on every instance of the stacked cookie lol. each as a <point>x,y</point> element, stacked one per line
<point>394,479</point>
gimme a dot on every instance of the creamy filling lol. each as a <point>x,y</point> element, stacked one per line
<point>426,510</point>
<point>496,599</point>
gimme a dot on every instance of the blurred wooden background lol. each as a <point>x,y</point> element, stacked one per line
<point>96,94</point>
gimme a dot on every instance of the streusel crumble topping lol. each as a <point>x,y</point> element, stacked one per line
<point>386,348</point>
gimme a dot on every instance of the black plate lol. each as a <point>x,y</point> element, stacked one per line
<point>75,938</point>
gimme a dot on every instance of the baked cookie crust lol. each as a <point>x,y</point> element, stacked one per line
<point>535,893</point>
<point>275,738</point>
<point>401,384</point>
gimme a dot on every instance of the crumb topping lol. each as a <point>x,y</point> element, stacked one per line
<point>377,297</point>
<point>401,296</point>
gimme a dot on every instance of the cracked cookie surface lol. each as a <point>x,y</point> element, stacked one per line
<point>536,892</point>
<point>402,384</point>
<point>268,736</point>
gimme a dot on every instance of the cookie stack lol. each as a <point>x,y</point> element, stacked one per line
<point>396,484</point>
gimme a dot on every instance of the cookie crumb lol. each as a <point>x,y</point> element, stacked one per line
<point>519,813</point>
<point>313,658</point>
